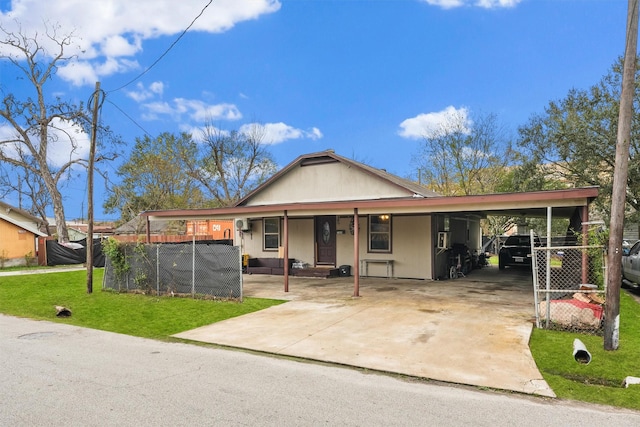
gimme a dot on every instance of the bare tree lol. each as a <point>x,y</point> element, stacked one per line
<point>25,184</point>
<point>464,157</point>
<point>38,126</point>
<point>232,163</point>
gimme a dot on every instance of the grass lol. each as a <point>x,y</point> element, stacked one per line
<point>601,380</point>
<point>36,295</point>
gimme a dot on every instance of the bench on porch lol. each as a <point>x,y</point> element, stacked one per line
<point>273,266</point>
<point>364,265</point>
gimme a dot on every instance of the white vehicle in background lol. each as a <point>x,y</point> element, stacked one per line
<point>631,265</point>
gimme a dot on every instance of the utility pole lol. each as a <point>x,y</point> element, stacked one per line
<point>92,155</point>
<point>620,175</point>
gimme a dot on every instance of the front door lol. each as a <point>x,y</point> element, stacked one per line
<point>326,240</point>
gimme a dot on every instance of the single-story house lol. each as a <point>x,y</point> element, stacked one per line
<point>19,231</point>
<point>324,210</point>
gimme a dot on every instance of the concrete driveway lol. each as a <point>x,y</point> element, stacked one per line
<point>472,330</point>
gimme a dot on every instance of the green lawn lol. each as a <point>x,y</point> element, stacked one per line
<point>36,295</point>
<point>601,380</point>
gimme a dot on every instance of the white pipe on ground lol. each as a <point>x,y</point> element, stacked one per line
<point>580,352</point>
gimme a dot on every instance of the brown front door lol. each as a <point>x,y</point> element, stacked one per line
<point>326,240</point>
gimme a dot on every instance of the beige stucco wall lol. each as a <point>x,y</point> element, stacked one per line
<point>15,242</point>
<point>301,235</point>
<point>325,182</point>
<point>411,248</point>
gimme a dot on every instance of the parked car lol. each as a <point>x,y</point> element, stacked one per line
<point>631,265</point>
<point>516,251</point>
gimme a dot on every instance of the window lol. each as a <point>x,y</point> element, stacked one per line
<point>271,232</point>
<point>380,233</point>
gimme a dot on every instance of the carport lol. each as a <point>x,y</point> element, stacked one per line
<point>567,203</point>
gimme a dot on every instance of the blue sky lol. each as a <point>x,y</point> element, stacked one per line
<point>366,78</point>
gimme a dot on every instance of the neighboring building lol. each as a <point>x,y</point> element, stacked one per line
<point>325,210</point>
<point>78,229</point>
<point>135,230</point>
<point>19,231</point>
<point>214,229</point>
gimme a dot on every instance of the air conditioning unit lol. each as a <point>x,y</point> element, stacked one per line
<point>243,224</point>
<point>443,240</point>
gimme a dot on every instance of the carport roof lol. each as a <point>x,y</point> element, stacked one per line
<point>529,204</point>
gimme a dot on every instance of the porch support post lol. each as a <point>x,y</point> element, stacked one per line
<point>356,254</point>
<point>286,251</point>
<point>585,242</point>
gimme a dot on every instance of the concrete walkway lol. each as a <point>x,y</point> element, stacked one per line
<point>472,330</point>
<point>60,269</point>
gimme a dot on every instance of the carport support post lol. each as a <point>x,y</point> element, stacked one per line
<point>356,254</point>
<point>286,252</point>
<point>548,270</point>
<point>585,242</point>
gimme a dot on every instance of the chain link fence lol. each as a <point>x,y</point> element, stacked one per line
<point>569,287</point>
<point>198,270</point>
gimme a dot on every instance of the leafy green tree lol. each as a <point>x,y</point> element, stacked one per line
<point>155,176</point>
<point>574,141</point>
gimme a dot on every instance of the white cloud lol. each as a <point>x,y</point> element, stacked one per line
<point>63,137</point>
<point>109,30</point>
<point>427,125</point>
<point>201,111</point>
<point>194,109</point>
<point>60,151</point>
<point>142,94</point>
<point>446,4</point>
<point>275,133</point>
<point>271,133</point>
<point>486,4</point>
<point>490,4</point>
<point>79,73</point>
<point>117,45</point>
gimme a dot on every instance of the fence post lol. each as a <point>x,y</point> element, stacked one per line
<point>193,267</point>
<point>548,279</point>
<point>158,269</point>
<point>536,278</point>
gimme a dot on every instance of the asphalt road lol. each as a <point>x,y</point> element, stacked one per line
<point>55,374</point>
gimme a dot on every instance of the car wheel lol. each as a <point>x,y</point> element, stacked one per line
<point>500,263</point>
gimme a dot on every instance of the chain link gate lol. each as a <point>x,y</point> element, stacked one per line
<point>184,269</point>
<point>569,284</point>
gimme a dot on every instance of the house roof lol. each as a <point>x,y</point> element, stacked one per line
<point>531,204</point>
<point>21,218</point>
<point>417,199</point>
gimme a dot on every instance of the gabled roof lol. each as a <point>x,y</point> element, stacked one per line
<point>415,199</point>
<point>21,218</point>
<point>411,188</point>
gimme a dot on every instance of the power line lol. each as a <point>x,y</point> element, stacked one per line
<point>166,51</point>
<point>130,118</point>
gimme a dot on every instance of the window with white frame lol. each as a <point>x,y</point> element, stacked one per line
<point>271,233</point>
<point>380,233</point>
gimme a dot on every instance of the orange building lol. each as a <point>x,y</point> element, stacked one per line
<point>216,228</point>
